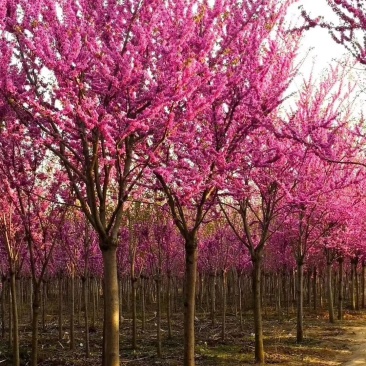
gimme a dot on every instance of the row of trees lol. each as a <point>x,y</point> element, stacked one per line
<point>272,228</point>
<point>107,103</point>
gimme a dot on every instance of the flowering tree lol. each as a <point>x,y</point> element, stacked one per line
<point>253,207</point>
<point>245,80</point>
<point>11,243</point>
<point>100,85</point>
<point>351,27</point>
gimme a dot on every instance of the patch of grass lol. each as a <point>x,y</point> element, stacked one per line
<point>224,354</point>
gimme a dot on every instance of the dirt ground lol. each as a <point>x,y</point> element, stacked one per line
<point>358,349</point>
<point>325,344</point>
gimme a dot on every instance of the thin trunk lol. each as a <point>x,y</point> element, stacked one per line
<point>315,288</point>
<point>213,298</point>
<point>340,289</point>
<point>189,300</point>
<point>80,296</point>
<point>363,285</point>
<point>94,289</point>
<point>353,275</point>
<point>72,310</point>
<point>143,303</point>
<point>16,359</point>
<point>224,291</point>
<point>134,311</point>
<point>240,300</point>
<point>43,301</point>
<point>300,302</point>
<point>10,323</point>
<point>357,287</point>
<point>86,315</point>
<point>60,308</point>
<point>169,307</point>
<point>3,307</point>
<point>111,307</point>
<point>120,294</point>
<point>35,317</point>
<point>330,292</point>
<point>158,316</point>
<point>286,292</point>
<point>258,327</point>
<point>309,288</point>
<point>31,300</point>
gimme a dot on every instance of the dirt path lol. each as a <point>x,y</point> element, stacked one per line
<point>357,335</point>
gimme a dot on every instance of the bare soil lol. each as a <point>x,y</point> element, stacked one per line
<point>342,343</point>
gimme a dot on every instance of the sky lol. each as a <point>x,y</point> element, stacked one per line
<point>323,48</point>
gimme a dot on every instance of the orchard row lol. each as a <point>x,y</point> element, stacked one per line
<point>138,133</point>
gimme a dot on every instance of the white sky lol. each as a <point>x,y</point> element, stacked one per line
<point>324,49</point>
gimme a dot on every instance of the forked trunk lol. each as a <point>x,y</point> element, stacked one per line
<point>189,300</point>
<point>111,307</point>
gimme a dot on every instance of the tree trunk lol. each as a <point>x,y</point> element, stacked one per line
<point>223,323</point>
<point>278,295</point>
<point>340,289</point>
<point>3,307</point>
<point>143,303</point>
<point>16,359</point>
<point>10,323</point>
<point>43,301</point>
<point>169,307</point>
<point>300,302</point>
<point>353,275</point>
<point>72,309</point>
<point>111,307</point>
<point>35,316</point>
<point>134,310</point>
<point>258,327</point>
<point>363,285</point>
<point>240,301</point>
<point>357,287</point>
<point>330,292</point>
<point>60,308</point>
<point>315,289</point>
<point>31,300</point>
<point>213,298</point>
<point>86,316</point>
<point>191,254</point>
<point>158,315</point>
<point>95,293</point>
<point>309,288</point>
